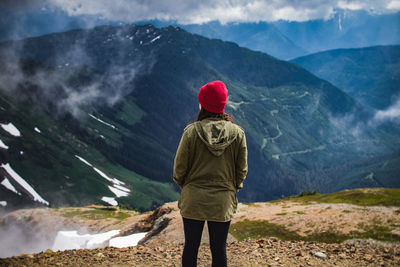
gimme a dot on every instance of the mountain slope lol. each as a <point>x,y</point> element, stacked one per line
<point>260,36</point>
<point>345,29</point>
<point>370,74</point>
<point>117,99</point>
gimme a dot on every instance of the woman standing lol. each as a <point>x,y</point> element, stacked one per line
<point>210,167</point>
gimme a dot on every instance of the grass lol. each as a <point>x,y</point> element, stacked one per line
<point>258,229</point>
<point>299,212</point>
<point>97,214</point>
<point>261,229</point>
<point>362,197</point>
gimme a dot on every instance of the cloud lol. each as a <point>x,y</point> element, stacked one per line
<point>21,5</point>
<point>392,114</point>
<point>350,124</point>
<point>57,84</point>
<point>193,11</point>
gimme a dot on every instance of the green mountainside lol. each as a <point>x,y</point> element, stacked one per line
<point>120,97</point>
<point>371,75</point>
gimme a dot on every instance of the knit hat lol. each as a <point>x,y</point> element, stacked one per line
<point>213,96</point>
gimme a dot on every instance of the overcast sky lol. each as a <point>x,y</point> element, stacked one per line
<point>195,11</point>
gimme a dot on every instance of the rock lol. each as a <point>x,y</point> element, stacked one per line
<point>368,257</point>
<point>320,255</point>
<point>342,256</point>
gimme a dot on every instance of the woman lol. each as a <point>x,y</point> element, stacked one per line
<point>210,167</point>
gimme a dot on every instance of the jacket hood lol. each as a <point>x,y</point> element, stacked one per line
<point>216,133</point>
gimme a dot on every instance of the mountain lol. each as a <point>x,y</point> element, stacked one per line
<point>261,36</point>
<point>100,113</point>
<point>370,74</point>
<point>282,39</point>
<point>345,29</point>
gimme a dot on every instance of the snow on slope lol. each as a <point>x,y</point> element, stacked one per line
<point>11,129</point>
<point>105,123</point>
<point>110,200</point>
<point>2,145</point>
<point>117,192</point>
<point>6,183</point>
<point>72,240</point>
<point>127,241</point>
<point>24,184</point>
<point>117,187</point>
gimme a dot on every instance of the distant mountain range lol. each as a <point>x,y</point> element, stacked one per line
<point>287,40</point>
<point>100,113</point>
<point>281,39</point>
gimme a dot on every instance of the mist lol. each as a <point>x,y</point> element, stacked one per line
<point>17,239</point>
<point>391,114</point>
<point>71,80</point>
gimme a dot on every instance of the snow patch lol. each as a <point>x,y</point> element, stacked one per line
<point>6,183</point>
<point>117,187</point>
<point>110,200</point>
<point>127,241</point>
<point>105,123</point>
<point>2,145</point>
<point>72,240</point>
<point>24,184</point>
<point>83,160</point>
<point>117,192</point>
<point>155,39</point>
<point>37,130</point>
<point>122,188</point>
<point>3,203</point>
<point>11,129</point>
<point>113,180</point>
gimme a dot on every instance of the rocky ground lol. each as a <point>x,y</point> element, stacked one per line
<point>260,252</point>
<point>163,244</point>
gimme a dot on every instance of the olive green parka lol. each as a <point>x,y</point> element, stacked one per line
<point>210,167</point>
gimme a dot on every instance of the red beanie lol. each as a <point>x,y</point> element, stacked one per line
<point>213,96</point>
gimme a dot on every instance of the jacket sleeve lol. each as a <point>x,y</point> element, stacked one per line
<point>241,163</point>
<point>181,162</point>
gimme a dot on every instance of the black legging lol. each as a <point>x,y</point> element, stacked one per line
<point>218,232</point>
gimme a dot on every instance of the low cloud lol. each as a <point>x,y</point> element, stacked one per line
<point>197,12</point>
<point>191,11</point>
<point>351,124</point>
<point>391,114</point>
<point>71,81</point>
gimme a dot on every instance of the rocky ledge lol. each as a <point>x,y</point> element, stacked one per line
<point>259,252</point>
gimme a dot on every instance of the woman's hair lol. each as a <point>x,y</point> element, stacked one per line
<point>203,113</point>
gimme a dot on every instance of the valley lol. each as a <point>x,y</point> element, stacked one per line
<point>102,124</point>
